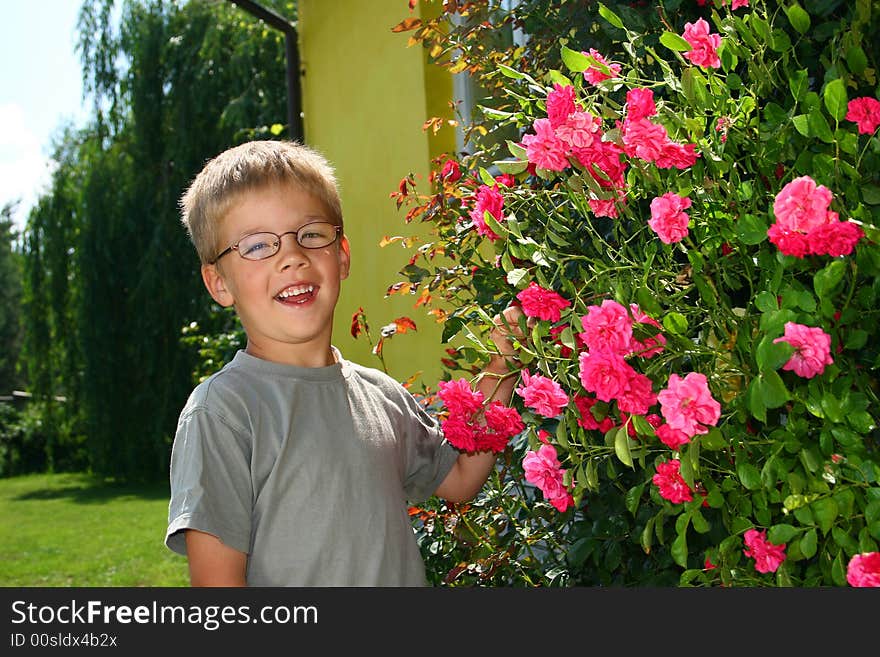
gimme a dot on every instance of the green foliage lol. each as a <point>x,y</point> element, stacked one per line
<point>793,456</point>
<point>111,276</point>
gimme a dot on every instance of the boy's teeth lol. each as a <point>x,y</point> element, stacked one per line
<point>296,290</point>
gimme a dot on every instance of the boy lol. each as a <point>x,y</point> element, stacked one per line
<point>292,466</point>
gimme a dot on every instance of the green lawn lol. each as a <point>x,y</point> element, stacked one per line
<point>77,530</point>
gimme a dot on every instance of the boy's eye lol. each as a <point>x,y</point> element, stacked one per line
<point>254,245</point>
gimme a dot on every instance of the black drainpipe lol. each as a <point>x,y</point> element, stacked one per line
<point>294,92</point>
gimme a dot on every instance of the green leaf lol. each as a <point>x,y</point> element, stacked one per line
<point>772,355</point>
<point>751,229</point>
<point>713,441</point>
<point>675,323</point>
<point>512,167</point>
<point>801,123</point>
<point>799,19</point>
<point>487,178</point>
<point>856,60</point>
<point>798,84</point>
<point>679,549</point>
<point>757,407</point>
<point>819,127</point>
<point>825,512</point>
<point>766,302</point>
<point>517,151</point>
<point>835,99</point>
<point>517,276</point>
<point>510,72</point>
<point>647,537</point>
<point>576,62</point>
<point>826,279</point>
<point>675,42</point>
<point>610,16</point>
<point>781,533</point>
<point>749,475</point>
<point>621,446</point>
<point>773,390</point>
<point>633,497</point>
<point>562,435</point>
<point>809,543</point>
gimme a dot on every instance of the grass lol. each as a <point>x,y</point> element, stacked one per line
<point>59,530</point>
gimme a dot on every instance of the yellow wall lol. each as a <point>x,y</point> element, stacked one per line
<point>365,98</point>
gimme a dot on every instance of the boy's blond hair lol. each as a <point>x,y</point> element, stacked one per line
<point>247,167</point>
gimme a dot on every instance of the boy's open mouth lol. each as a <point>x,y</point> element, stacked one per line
<point>296,294</point>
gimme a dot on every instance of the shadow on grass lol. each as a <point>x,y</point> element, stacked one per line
<point>85,489</point>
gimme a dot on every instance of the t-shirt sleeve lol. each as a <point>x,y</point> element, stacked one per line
<point>211,487</point>
<point>429,456</point>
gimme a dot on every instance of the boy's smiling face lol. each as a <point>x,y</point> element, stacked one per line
<point>286,301</point>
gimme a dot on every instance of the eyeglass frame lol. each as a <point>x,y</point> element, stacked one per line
<point>295,233</point>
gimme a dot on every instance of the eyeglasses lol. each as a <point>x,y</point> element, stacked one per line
<point>259,246</point>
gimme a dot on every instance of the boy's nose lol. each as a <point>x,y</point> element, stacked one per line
<point>290,253</point>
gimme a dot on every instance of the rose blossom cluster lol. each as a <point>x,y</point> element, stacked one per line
<point>542,468</point>
<point>768,556</point>
<point>472,426</point>
<point>649,141</point>
<point>569,134</point>
<point>804,224</point>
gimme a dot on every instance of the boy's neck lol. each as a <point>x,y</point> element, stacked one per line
<point>304,356</point>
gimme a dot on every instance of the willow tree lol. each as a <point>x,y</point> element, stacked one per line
<point>172,83</point>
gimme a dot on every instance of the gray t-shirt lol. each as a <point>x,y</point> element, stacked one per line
<point>308,471</point>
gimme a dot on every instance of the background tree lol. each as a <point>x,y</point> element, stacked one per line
<point>111,275</point>
<point>10,300</point>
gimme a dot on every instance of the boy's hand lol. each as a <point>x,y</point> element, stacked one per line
<point>505,330</point>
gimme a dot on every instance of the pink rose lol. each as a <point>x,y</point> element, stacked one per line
<point>671,484</point>
<point>812,349</point>
<point>768,556</point>
<point>607,327</point>
<point>560,103</point>
<point>687,405</point>
<point>542,303</point>
<point>864,570</point>
<point>603,373</point>
<point>704,46</point>
<point>838,238</point>
<point>802,205</point>
<point>542,468</point>
<point>640,104</point>
<point>544,149</point>
<point>865,112</point>
<point>487,199</point>
<point>543,395</point>
<point>672,438</point>
<point>668,217</point>
<point>593,75</point>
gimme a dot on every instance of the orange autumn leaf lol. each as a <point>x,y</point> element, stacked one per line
<point>405,324</point>
<point>407,24</point>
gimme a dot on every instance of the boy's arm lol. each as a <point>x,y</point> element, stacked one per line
<point>212,562</point>
<point>497,381</point>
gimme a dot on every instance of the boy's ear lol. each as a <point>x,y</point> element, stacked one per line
<point>344,258</point>
<point>216,286</point>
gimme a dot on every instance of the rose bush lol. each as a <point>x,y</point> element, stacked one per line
<point>688,214</point>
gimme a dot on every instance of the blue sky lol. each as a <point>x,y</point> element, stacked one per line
<point>40,88</point>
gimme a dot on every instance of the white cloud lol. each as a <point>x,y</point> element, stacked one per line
<point>24,170</point>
